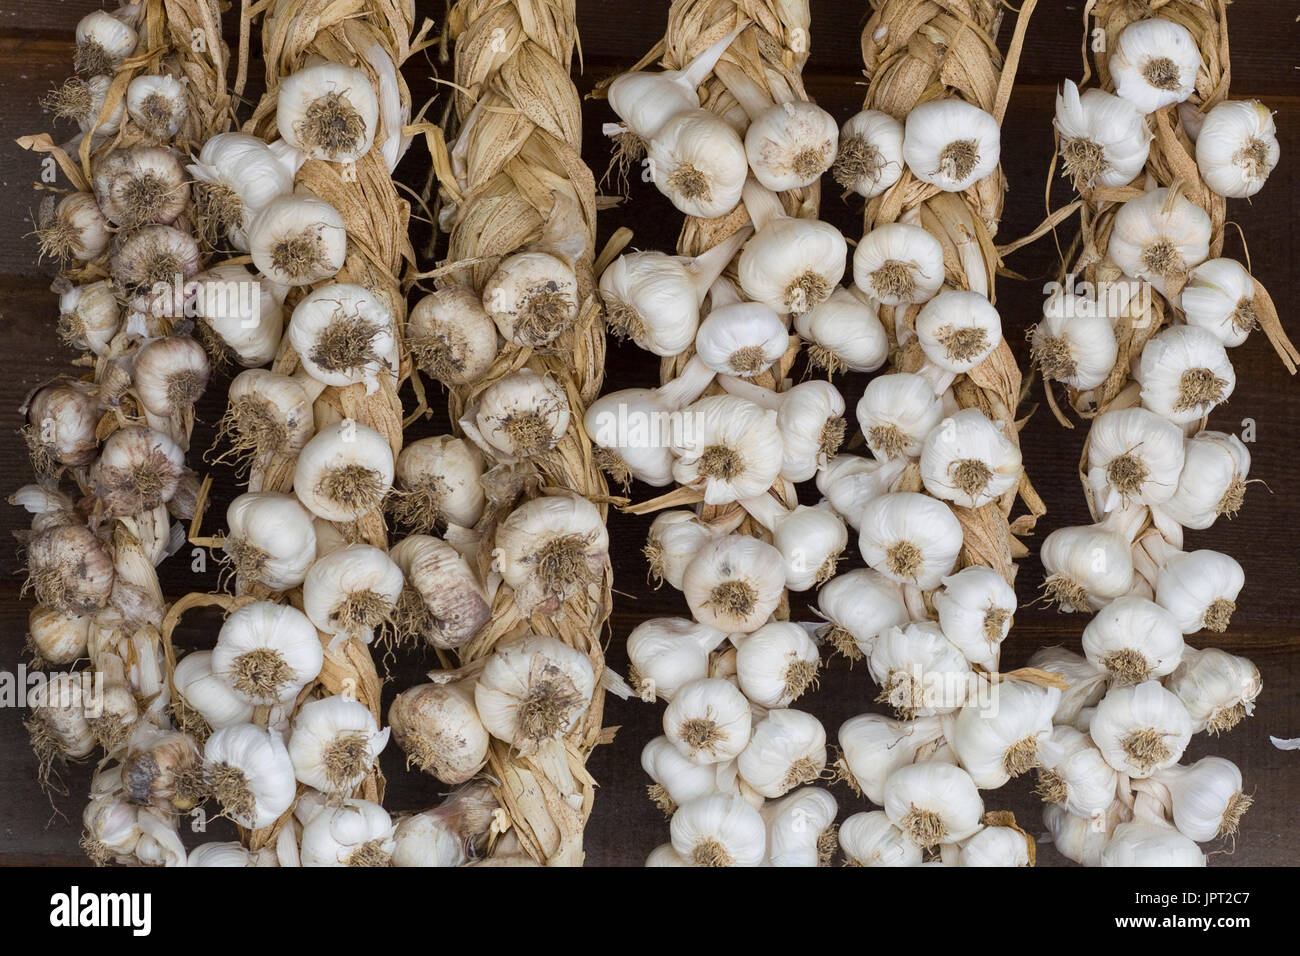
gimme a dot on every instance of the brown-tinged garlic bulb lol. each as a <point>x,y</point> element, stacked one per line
<point>533,690</point>
<point>138,470</point>
<point>163,769</point>
<point>89,315</point>
<point>58,726</point>
<point>152,265</point>
<point>444,603</point>
<point>70,569</point>
<point>140,185</point>
<point>61,422</point>
<point>170,374</point>
<point>437,481</point>
<point>438,728</point>
<point>56,639</point>
<point>268,414</point>
<point>73,230</point>
<point>451,336</point>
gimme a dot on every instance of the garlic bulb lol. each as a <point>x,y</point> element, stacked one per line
<point>632,431</point>
<point>328,111</point>
<point>1150,844</point>
<point>56,639</point>
<point>951,144</point>
<point>140,185</point>
<point>351,591</point>
<point>1237,148</point>
<point>241,314</point>
<point>344,471</point>
<point>533,690</point>
<point>644,101</point>
<point>874,746</point>
<point>58,727</point>
<point>674,539</point>
<point>857,606</point>
<point>667,652</point>
<point>235,176</point>
<point>170,374</point>
<point>800,829</point>
<point>427,839</point>
<point>88,316</point>
<point>1082,839</point>
<point>267,652</point>
<point>698,161</point>
<point>1134,640</point>
<point>158,104</point>
<point>1074,343</point>
<point>870,157</point>
<point>933,803</point>
<point>733,448</point>
<point>1200,589</point>
<point>734,583</point>
<point>910,538</point>
<point>358,833</point>
<point>250,774</point>
<point>69,569</point>
<point>1185,373</point>
<point>1141,729</point>
<point>719,831</point>
<point>789,145</point>
<point>232,854</point>
<point>809,416</point>
<point>345,335</point>
<point>269,414</point>
<point>1217,688</point>
<point>1087,682</point>
<point>550,549</point>
<point>1104,140</point>
<point>998,739</point>
<point>919,671</point>
<point>1207,798</point>
<point>73,230</point>
<point>451,336</point>
<point>444,602</point>
<point>708,720</point>
<point>437,480</point>
<point>665,855</point>
<point>975,608</point>
<point>996,846</point>
<point>209,697</point>
<point>786,749</point>
<point>958,330</point>
<point>1074,774</point>
<point>438,728</point>
<point>518,417</point>
<point>850,481</point>
<point>969,460</point>
<point>790,265</point>
<point>743,338</point>
<point>103,41</point>
<point>138,470</point>
<point>843,333</point>
<point>152,266</point>
<point>297,240</point>
<point>81,100</point>
<point>271,540</point>
<point>61,423</point>
<point>334,744</point>
<point>1133,455</point>
<point>1160,237</point>
<point>161,768</point>
<point>870,839</point>
<point>776,664</point>
<point>898,264</point>
<point>1087,567</point>
<point>1220,298</point>
<point>532,298</point>
<point>896,413</point>
<point>1154,64</point>
<point>677,779</point>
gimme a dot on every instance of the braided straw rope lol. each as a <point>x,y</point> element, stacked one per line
<point>518,124</point>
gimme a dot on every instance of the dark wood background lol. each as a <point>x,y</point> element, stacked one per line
<point>35,53</point>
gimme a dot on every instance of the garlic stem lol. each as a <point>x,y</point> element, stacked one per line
<point>761,203</point>
<point>689,385</point>
<point>766,510</point>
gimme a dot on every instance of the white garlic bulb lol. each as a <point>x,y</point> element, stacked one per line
<point>951,144</point>
<point>1220,298</point>
<point>351,591</point>
<point>1154,64</point>
<point>733,448</point>
<point>719,831</point>
<point>438,728</point>
<point>1185,373</point>
<point>1074,774</point>
<point>438,480</point>
<point>1217,688</point>
<point>344,471</point>
<point>870,839</point>
<point>933,803</point>
<point>667,652</point>
<point>519,416</point>
<point>138,470</point>
<point>870,157</point>
<point>843,333</point>
<point>1237,148</point>
<point>534,689</point>
<point>743,338</point>
<point>645,100</point>
<point>345,335</point>
<point>809,417</point>
<point>242,314</point>
<point>267,652</point>
<point>1200,589</point>
<point>451,336</point>
<point>335,742</point>
<point>271,540</point>
<point>103,41</point>
<point>88,316</point>
<point>910,538</point>
<point>734,583</point>
<point>158,104</point>
<point>269,415</point>
<point>998,738</point>
<point>1150,844</point>
<point>358,833</point>
<point>1082,839</point>
<point>1133,640</point>
<point>850,481</point>
<point>677,779</point>
<point>1104,139</point>
<point>73,229</point>
<point>708,720</point>
<point>1207,798</point>
<point>550,549</point>
<point>1213,480</point>
<point>919,671</point>
<point>232,854</point>
<point>1087,567</point>
<point>874,746</point>
<point>328,111</point>
<point>674,539</point>
<point>791,264</point>
<point>1074,343</point>
<point>786,749</point>
<point>698,161</point>
<point>422,839</point>
<point>969,460</point>
<point>665,855</point>
<point>207,694</point>
<point>799,828</point>
<point>958,330</point>
<point>632,431</point>
<point>1159,237</point>
<point>898,264</point>
<point>996,846</point>
<point>776,664</point>
<point>1134,455</point>
<point>297,240</point>
<point>250,774</point>
<point>896,413</point>
<point>975,608</point>
<point>532,297</point>
<point>235,176</point>
<point>1141,729</point>
<point>858,606</point>
<point>790,144</point>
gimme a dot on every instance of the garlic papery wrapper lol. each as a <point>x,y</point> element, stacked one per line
<point>667,652</point>
<point>996,846</point>
<point>719,831</point>
<point>1159,237</point>
<point>810,417</point>
<point>998,738</point>
<point>207,695</point>
<point>1133,455</point>
<point>267,652</point>
<point>910,538</point>
<point>146,264</point>
<point>1237,148</point>
<point>351,591</point>
<point>250,774</point>
<point>138,470</point>
<point>1087,567</point>
<point>951,144</point>
<point>269,415</point>
<point>359,833</point>
<point>870,157</point>
<point>61,423</point>
<point>1073,773</point>
<point>850,481</point>
<point>1141,729</point>
<point>69,569</point>
<point>271,540</point>
<point>708,720</point>
<point>919,671</point>
<point>1074,343</point>
<point>698,161</point>
<point>858,605</point>
<point>874,746</point>
<point>328,111</point>
<point>231,854</point>
<point>674,539</point>
<point>344,471</point>
<point>241,314</point>
<point>444,603</point>
<point>1154,64</point>
<point>56,639</point>
<point>73,230</point>
<point>297,240</point>
<point>790,145</point>
<point>810,539</point>
<point>677,779</point>
<point>1087,682</point>
<point>1104,139</point>
<point>1220,298</point>
<point>141,185</point>
<point>345,335</point>
<point>438,728</point>
<point>898,264</point>
<point>958,330</point>
<point>799,828</point>
<point>975,608</point>
<point>1217,688</point>
<point>158,104</point>
<point>551,549</point>
<point>532,298</point>
<point>870,839</point>
<point>1133,640</point>
<point>843,333</point>
<point>776,664</point>
<point>741,338</point>
<point>451,336</point>
<point>734,583</point>
<point>1207,799</point>
<point>969,460</point>
<point>438,481</point>
<point>235,176</point>
<point>335,742</point>
<point>1185,373</point>
<point>1150,844</point>
<point>533,690</point>
<point>1200,589</point>
<point>789,264</point>
<point>786,749</point>
<point>103,41</point>
<point>88,315</point>
<point>518,417</point>
<point>732,447</point>
<point>896,413</point>
<point>933,803</point>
